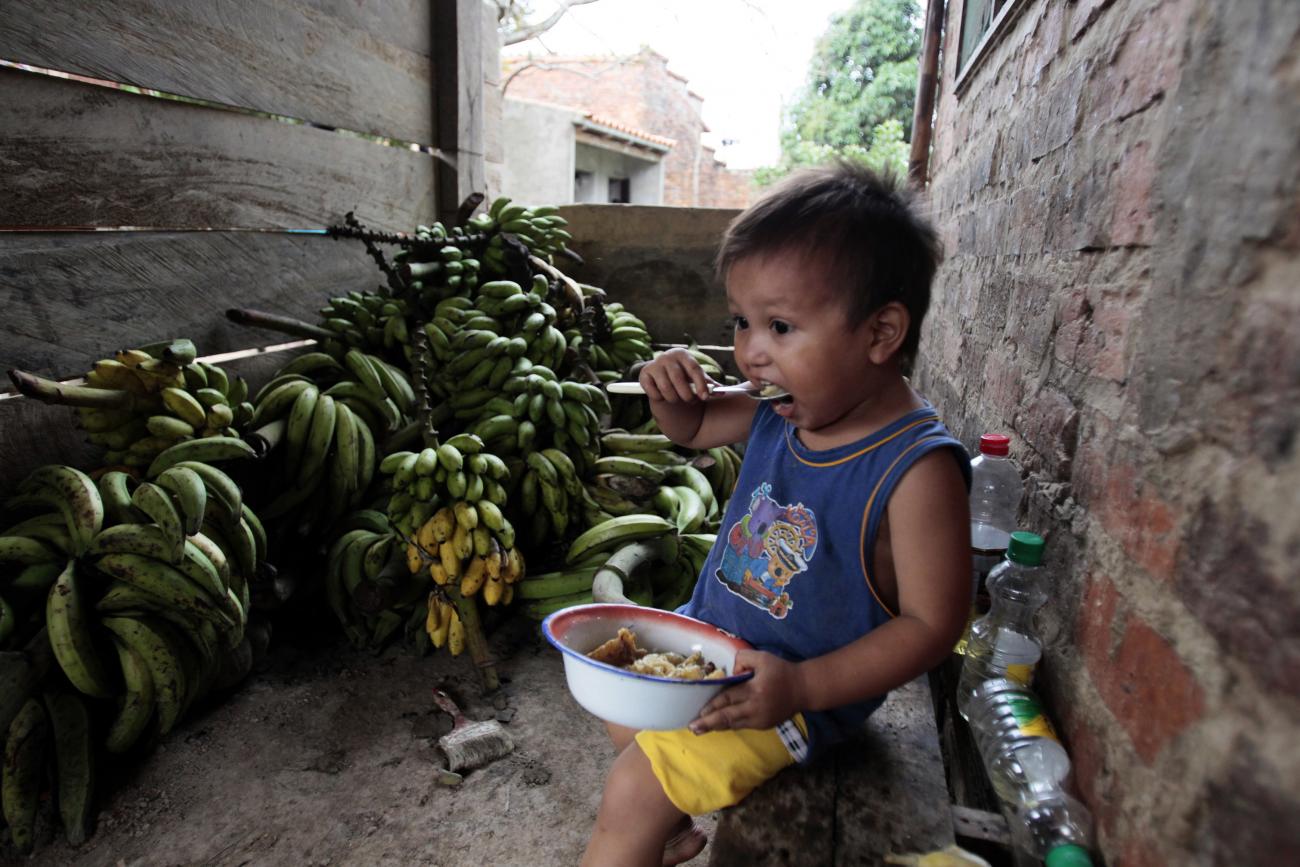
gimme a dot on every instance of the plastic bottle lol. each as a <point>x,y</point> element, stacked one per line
<point>1016,741</point>
<point>995,494</point>
<point>1003,642</point>
<point>1054,829</point>
<point>1027,767</point>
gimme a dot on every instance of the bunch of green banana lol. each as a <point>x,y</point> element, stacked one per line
<point>540,228</point>
<point>327,443</point>
<point>687,499</point>
<point>368,586</point>
<point>723,472</point>
<point>441,264</point>
<point>142,401</point>
<point>550,495</point>
<point>563,412</point>
<point>377,392</point>
<point>619,339</point>
<point>24,772</point>
<point>674,582</point>
<point>458,469</point>
<point>372,322</point>
<point>616,532</point>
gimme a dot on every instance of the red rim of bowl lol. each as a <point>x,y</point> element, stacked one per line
<point>654,614</point>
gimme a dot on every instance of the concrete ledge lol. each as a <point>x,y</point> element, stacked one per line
<point>883,792</point>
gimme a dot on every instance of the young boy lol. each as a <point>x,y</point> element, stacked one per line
<point>843,556</point>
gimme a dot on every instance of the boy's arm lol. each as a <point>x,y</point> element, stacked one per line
<point>929,523</point>
<point>678,388</point>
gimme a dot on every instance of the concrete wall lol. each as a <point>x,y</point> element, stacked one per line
<point>1117,194</point>
<point>658,261</point>
<point>539,153</point>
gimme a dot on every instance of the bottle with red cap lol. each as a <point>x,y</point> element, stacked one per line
<point>995,494</point>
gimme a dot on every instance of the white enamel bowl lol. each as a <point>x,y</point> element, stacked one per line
<point>640,701</point>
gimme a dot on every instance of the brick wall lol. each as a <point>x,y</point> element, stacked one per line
<point>640,92</point>
<point>1117,189</point>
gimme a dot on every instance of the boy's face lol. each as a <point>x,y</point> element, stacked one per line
<point>791,329</point>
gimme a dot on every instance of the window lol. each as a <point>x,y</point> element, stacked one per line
<point>584,186</point>
<point>620,190</point>
<point>982,23</point>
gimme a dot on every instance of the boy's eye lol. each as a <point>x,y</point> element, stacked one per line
<point>740,322</point>
<point>780,327</point>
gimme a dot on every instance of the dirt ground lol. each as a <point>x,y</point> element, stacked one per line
<point>328,756</point>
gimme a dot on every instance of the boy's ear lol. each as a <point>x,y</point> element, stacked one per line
<point>888,329</point>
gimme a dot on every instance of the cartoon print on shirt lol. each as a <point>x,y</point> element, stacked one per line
<point>766,549</point>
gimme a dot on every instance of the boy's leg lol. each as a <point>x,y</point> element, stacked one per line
<point>619,735</point>
<point>636,819</point>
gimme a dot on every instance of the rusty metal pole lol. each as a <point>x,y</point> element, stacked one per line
<point>918,165</point>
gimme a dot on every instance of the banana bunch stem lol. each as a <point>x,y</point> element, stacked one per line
<point>475,640</point>
<point>275,322</point>
<point>572,292</point>
<point>607,585</point>
<point>268,436</point>
<point>49,391</point>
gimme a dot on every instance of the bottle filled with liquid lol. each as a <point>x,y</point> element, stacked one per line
<point>1003,643</point>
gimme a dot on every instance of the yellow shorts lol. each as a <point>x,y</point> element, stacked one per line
<point>703,773</point>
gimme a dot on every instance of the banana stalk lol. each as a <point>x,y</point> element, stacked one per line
<point>607,585</point>
<point>467,608</point>
<point>49,391</point>
<point>283,324</point>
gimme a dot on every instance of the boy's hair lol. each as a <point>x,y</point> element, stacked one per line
<point>862,225</point>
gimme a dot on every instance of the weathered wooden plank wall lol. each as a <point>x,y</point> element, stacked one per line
<point>357,66</point>
<point>77,296</point>
<point>172,164</point>
<point>84,155</point>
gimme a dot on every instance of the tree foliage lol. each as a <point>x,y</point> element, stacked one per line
<point>860,91</point>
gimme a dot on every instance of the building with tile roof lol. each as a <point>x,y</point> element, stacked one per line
<point>610,129</point>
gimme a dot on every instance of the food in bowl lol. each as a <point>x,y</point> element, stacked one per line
<point>629,698</point>
<point>622,651</point>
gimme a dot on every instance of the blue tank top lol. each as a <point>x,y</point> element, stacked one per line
<point>791,569</point>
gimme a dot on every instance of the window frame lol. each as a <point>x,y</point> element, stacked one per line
<point>997,28</point>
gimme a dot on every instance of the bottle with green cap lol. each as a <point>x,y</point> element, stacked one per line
<point>1052,828</point>
<point>1003,643</point>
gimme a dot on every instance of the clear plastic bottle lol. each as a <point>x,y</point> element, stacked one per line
<point>995,493</point>
<point>1016,741</point>
<point>1052,828</point>
<point>1028,767</point>
<point>1003,643</point>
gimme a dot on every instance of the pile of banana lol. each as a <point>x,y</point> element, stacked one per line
<point>368,321</point>
<point>541,228</point>
<point>141,401</point>
<point>458,469</point>
<point>460,547</point>
<point>648,560</point>
<point>138,591</point>
<point>368,586</point>
<point>644,472</point>
<point>618,340</point>
<point>323,419</point>
<point>59,720</point>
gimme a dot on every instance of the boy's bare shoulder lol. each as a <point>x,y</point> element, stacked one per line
<point>931,494</point>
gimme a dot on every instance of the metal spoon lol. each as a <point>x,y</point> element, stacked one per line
<point>748,389</point>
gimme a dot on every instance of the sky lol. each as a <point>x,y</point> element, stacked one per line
<point>745,58</point>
